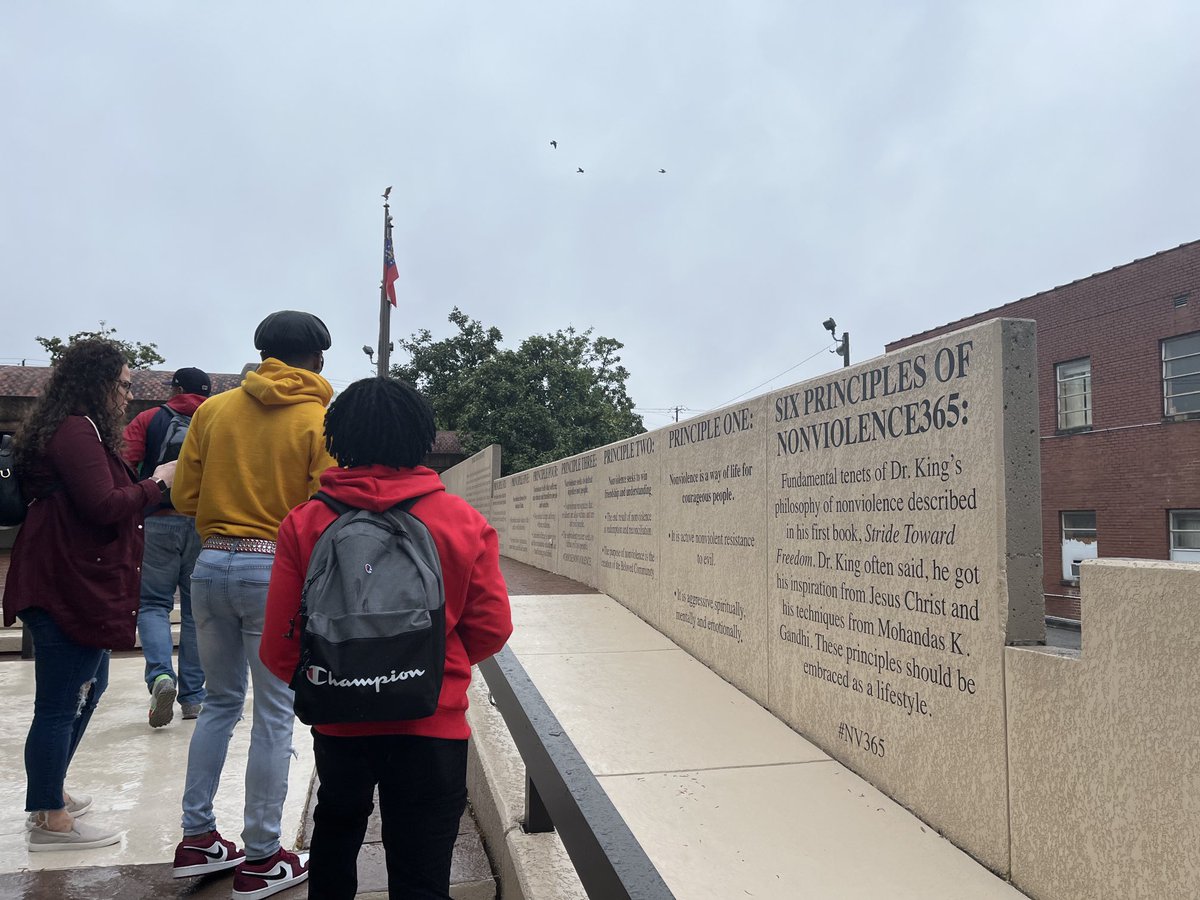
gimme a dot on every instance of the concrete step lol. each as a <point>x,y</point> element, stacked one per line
<point>10,638</point>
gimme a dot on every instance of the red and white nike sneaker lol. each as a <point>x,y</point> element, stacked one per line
<point>201,854</point>
<point>277,873</point>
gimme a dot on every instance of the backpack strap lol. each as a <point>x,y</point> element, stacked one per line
<point>404,506</point>
<point>340,509</point>
<point>336,505</point>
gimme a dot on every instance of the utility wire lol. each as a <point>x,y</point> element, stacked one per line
<point>769,380</point>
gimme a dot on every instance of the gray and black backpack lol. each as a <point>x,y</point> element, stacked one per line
<point>372,618</point>
<point>164,440</point>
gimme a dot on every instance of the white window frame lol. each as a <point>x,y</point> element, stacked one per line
<point>1181,389</point>
<point>1079,542</point>
<point>1184,526</point>
<point>1074,381</point>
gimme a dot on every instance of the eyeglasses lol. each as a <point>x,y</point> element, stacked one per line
<point>126,386</point>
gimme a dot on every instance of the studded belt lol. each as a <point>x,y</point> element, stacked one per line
<point>240,545</point>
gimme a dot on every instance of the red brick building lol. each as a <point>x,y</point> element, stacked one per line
<point>1119,399</point>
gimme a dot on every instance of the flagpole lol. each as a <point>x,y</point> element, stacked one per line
<point>385,319</point>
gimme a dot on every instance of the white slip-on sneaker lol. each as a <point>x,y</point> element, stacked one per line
<point>81,837</point>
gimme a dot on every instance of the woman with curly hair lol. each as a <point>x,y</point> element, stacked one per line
<point>74,575</point>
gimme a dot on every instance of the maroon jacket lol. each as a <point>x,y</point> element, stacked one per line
<point>78,554</point>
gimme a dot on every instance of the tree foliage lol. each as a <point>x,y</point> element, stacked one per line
<point>557,394</point>
<point>140,356</point>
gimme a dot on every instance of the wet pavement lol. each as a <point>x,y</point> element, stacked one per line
<point>136,775</point>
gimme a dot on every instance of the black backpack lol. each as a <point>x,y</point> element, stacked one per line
<point>372,618</point>
<point>165,434</point>
<point>12,501</point>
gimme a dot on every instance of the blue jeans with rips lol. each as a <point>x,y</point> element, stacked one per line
<point>69,680</point>
<point>229,598</point>
<point>172,546</point>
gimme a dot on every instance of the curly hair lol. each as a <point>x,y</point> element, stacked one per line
<point>379,421</point>
<point>81,383</point>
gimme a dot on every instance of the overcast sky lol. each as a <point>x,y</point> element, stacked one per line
<point>180,170</point>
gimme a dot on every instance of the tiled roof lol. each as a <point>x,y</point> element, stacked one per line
<point>148,384</point>
<point>155,385</point>
<point>447,442</point>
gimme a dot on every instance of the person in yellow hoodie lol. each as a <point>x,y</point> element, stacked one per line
<point>250,455</point>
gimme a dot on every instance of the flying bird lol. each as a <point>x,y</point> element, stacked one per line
<point>554,144</point>
<point>662,171</point>
<point>579,171</point>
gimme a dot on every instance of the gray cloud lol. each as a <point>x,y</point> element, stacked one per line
<point>180,172</point>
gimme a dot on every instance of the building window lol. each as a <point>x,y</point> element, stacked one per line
<point>1181,375</point>
<point>1185,535</point>
<point>1079,542</point>
<point>1074,394</point>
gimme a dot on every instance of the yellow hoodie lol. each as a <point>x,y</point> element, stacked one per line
<point>253,453</point>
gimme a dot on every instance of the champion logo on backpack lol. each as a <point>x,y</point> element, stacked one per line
<point>318,675</point>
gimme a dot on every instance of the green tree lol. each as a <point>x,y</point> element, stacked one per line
<point>439,368</point>
<point>557,394</point>
<point>140,356</point>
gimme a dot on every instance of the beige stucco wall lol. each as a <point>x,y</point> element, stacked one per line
<point>472,479</point>
<point>714,529</point>
<point>1104,749</point>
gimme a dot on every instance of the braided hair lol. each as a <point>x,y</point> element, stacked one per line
<point>379,421</point>
<point>81,383</point>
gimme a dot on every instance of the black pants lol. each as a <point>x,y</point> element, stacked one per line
<point>422,794</point>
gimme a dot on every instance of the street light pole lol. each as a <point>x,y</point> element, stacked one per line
<point>843,348</point>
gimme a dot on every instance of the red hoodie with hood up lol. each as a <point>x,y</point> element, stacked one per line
<point>478,617</point>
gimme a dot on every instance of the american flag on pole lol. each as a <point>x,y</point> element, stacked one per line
<point>390,272</point>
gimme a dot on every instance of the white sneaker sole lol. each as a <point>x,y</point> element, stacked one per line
<point>271,889</point>
<point>67,844</point>
<point>205,868</point>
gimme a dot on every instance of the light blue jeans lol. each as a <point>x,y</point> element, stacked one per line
<point>229,598</point>
<point>172,546</point>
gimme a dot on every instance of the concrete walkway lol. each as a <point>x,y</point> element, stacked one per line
<point>727,801</point>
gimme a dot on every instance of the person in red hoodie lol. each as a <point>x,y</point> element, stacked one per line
<point>172,545</point>
<point>379,430</point>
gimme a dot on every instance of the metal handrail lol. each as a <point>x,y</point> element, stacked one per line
<point>562,794</point>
